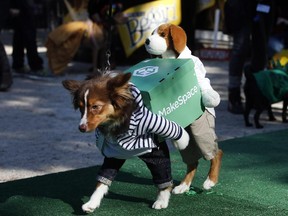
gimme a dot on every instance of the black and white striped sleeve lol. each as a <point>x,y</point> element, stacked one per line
<point>156,124</point>
<point>143,124</point>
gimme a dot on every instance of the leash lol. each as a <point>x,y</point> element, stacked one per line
<point>109,40</point>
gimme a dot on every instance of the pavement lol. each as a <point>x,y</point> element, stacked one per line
<point>39,127</point>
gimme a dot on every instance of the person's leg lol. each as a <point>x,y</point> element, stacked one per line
<point>188,21</point>
<point>34,60</point>
<point>239,54</point>
<point>28,28</point>
<point>262,26</point>
<point>5,72</point>
<point>18,47</point>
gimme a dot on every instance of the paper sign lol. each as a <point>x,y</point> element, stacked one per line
<point>144,18</point>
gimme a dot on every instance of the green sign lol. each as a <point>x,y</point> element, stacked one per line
<point>169,87</point>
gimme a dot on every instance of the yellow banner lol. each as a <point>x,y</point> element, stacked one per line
<point>144,18</point>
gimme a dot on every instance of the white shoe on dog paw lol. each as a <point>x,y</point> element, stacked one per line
<point>180,189</point>
<point>208,184</point>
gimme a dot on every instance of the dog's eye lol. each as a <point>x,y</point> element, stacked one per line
<point>162,34</point>
<point>96,107</point>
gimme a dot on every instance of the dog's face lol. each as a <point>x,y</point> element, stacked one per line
<point>167,40</point>
<point>101,100</point>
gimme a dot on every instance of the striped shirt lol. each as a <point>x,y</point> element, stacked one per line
<point>138,139</point>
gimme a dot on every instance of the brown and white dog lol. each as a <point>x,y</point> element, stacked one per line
<point>169,41</point>
<point>107,103</point>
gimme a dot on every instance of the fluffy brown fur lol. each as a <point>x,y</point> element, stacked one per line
<point>109,103</point>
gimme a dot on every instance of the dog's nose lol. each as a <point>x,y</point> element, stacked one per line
<point>147,42</point>
<point>83,128</point>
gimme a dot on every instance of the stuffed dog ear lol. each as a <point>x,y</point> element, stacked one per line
<point>179,38</point>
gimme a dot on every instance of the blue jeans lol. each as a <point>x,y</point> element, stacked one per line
<point>157,161</point>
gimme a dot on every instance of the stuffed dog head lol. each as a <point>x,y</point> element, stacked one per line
<point>167,41</point>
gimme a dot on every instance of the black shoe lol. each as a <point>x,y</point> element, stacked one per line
<point>6,81</point>
<point>40,75</point>
<point>235,108</point>
<point>20,71</point>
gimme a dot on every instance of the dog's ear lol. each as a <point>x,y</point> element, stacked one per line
<point>118,88</point>
<point>118,81</point>
<point>71,85</point>
<point>179,38</point>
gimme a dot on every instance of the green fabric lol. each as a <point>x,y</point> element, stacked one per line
<point>273,84</point>
<point>253,181</point>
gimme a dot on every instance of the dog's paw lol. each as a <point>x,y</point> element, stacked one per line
<point>208,184</point>
<point>160,204</point>
<point>162,200</point>
<point>90,206</point>
<point>180,189</point>
<point>95,199</point>
<point>210,98</point>
<point>183,142</point>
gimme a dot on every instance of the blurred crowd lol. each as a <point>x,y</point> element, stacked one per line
<point>258,29</point>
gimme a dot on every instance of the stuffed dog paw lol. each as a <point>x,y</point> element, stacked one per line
<point>210,98</point>
<point>183,142</point>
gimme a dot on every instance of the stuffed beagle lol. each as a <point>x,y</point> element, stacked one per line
<point>169,41</point>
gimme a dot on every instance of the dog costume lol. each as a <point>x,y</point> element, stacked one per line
<point>169,41</point>
<point>125,128</point>
<point>139,141</point>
